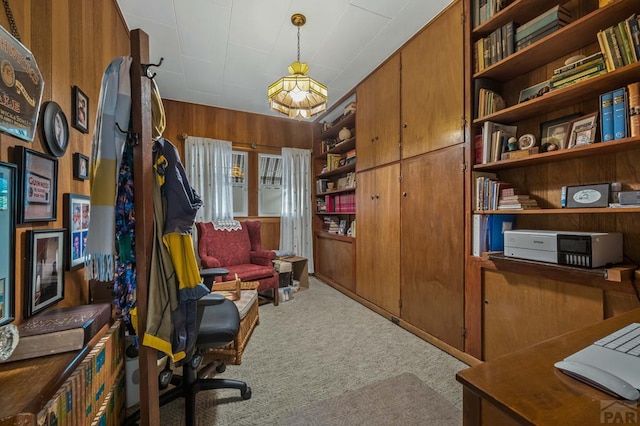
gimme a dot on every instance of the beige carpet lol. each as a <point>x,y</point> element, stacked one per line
<point>319,346</point>
<point>402,400</point>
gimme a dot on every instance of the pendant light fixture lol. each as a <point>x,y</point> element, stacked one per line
<point>298,95</point>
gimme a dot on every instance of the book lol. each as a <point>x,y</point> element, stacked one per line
<point>633,90</point>
<point>562,80</point>
<point>496,225</point>
<point>521,153</point>
<point>628,53</point>
<point>60,330</point>
<point>634,31</point>
<point>537,35</point>
<point>604,49</point>
<point>488,130</point>
<point>575,80</point>
<point>620,113</point>
<point>614,47</point>
<point>606,116</point>
<point>478,85</point>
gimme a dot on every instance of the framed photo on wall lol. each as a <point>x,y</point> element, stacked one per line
<point>8,173</point>
<point>80,106</point>
<point>38,187</point>
<point>80,166</point>
<point>44,270</point>
<point>76,219</point>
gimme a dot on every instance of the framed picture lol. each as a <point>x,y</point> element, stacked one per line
<point>44,269</point>
<point>8,186</point>
<point>534,91</point>
<point>554,134</point>
<point>55,129</point>
<point>76,219</point>
<point>80,110</point>
<point>38,186</point>
<point>80,166</point>
<point>583,130</point>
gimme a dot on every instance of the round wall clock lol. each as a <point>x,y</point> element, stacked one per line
<point>55,129</point>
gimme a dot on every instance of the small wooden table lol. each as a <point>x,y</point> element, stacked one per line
<point>299,269</point>
<point>524,387</point>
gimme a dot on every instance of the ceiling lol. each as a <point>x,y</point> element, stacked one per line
<point>225,53</point>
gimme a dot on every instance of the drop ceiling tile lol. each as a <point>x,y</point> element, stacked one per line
<point>160,11</point>
<point>203,76</point>
<point>244,66</point>
<point>257,23</point>
<point>163,43</point>
<point>353,33</point>
<point>203,34</point>
<point>387,8</point>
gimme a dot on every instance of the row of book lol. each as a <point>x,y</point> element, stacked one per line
<point>620,43</point>
<point>492,193</point>
<point>620,112</point>
<point>489,102</point>
<point>95,394</point>
<point>347,181</point>
<point>483,10</point>
<point>495,139</point>
<point>488,232</point>
<point>512,37</point>
<point>340,203</point>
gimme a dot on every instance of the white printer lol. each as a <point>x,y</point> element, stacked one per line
<point>587,249</point>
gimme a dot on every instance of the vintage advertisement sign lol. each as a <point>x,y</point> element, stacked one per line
<point>21,87</point>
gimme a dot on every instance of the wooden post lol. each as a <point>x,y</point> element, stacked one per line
<point>143,190</point>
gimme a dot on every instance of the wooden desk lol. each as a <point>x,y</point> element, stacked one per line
<point>524,387</point>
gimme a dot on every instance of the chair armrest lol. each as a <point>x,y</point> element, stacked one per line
<point>211,299</point>
<point>262,257</point>
<point>210,262</point>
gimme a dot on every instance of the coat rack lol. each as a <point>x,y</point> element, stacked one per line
<point>143,190</point>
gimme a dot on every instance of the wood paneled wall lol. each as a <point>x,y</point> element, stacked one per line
<point>72,41</point>
<point>243,129</point>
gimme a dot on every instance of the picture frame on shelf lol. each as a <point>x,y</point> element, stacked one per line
<point>80,166</point>
<point>554,134</point>
<point>8,173</point>
<point>342,226</point>
<point>80,110</point>
<point>77,210</point>
<point>583,130</point>
<point>534,91</point>
<point>44,286</point>
<point>38,186</point>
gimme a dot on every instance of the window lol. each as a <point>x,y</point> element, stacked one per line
<point>269,185</point>
<point>239,179</point>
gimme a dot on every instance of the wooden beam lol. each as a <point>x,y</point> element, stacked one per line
<point>143,190</point>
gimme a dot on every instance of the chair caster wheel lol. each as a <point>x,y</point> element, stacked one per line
<point>221,368</point>
<point>246,394</point>
<point>164,379</point>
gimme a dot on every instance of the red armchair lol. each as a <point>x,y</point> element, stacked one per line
<point>240,252</point>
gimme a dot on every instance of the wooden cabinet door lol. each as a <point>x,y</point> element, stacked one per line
<point>432,85</point>
<point>433,244</point>
<point>378,235</point>
<point>378,119</point>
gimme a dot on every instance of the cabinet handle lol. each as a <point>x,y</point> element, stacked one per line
<point>377,196</point>
<point>404,194</point>
<point>372,139</point>
<point>373,196</point>
<point>404,125</point>
<point>377,138</point>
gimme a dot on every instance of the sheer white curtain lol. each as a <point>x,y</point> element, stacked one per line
<point>295,220</point>
<point>208,164</point>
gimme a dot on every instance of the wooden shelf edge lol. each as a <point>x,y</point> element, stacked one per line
<point>330,236</point>
<point>337,191</point>
<point>348,119</point>
<point>595,277</point>
<point>344,169</point>
<point>598,148</point>
<point>601,210</point>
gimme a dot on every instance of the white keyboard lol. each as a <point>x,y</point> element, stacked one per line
<point>626,340</point>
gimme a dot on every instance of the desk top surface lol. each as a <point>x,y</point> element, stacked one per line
<point>526,385</point>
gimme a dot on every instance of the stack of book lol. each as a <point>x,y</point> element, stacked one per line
<point>541,26</point>
<point>620,43</point>
<point>620,112</point>
<point>331,224</point>
<point>580,70</point>
<point>350,157</point>
<point>510,199</point>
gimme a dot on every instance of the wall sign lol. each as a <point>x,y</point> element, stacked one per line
<point>21,88</point>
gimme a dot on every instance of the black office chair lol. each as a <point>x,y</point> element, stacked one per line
<point>219,323</point>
